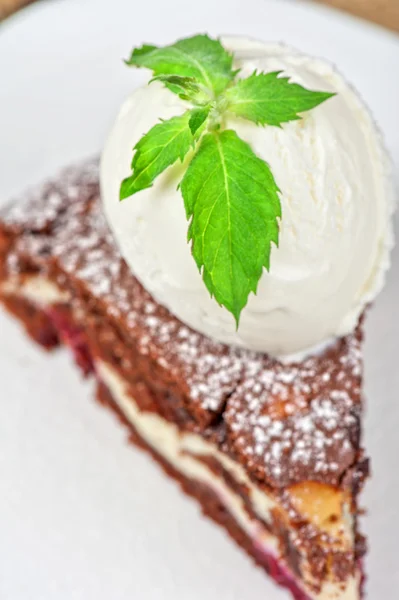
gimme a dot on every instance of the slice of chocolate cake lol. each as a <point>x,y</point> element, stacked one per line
<point>270,450</point>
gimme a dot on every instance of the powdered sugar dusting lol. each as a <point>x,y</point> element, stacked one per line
<point>288,422</point>
<point>300,421</point>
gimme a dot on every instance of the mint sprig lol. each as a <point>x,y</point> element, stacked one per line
<point>158,149</point>
<point>185,87</point>
<point>230,195</point>
<point>269,99</point>
<point>232,203</point>
<point>199,57</point>
<point>198,117</point>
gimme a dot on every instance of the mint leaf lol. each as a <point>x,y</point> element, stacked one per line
<point>162,146</point>
<point>145,48</point>
<point>198,118</point>
<point>185,87</point>
<point>231,200</point>
<point>200,57</point>
<point>230,195</point>
<point>268,99</point>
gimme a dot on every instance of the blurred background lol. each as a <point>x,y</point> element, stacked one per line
<point>383,12</point>
<point>57,540</point>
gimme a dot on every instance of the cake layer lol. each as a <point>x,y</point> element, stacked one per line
<point>212,506</point>
<point>278,444</point>
<point>181,451</point>
<point>259,514</point>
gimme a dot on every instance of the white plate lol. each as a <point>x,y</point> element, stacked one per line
<point>83,516</point>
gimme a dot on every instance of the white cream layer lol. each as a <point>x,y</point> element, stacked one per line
<point>179,449</point>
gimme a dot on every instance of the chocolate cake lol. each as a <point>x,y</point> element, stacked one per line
<point>271,451</point>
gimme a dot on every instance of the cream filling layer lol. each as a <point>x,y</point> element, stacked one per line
<point>37,289</point>
<point>180,449</point>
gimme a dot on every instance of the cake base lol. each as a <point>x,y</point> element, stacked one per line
<point>40,328</point>
<point>272,451</point>
<point>211,506</point>
<point>45,331</point>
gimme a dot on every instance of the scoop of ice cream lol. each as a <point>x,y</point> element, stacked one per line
<point>337,201</point>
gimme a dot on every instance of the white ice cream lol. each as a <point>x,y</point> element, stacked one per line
<point>337,202</point>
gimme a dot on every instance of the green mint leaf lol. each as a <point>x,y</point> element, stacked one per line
<point>232,202</point>
<point>268,99</point>
<point>200,57</point>
<point>185,87</point>
<point>230,195</point>
<point>145,48</point>
<point>198,118</point>
<point>158,149</point>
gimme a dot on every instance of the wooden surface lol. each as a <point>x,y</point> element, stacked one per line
<point>7,7</point>
<point>383,12</point>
